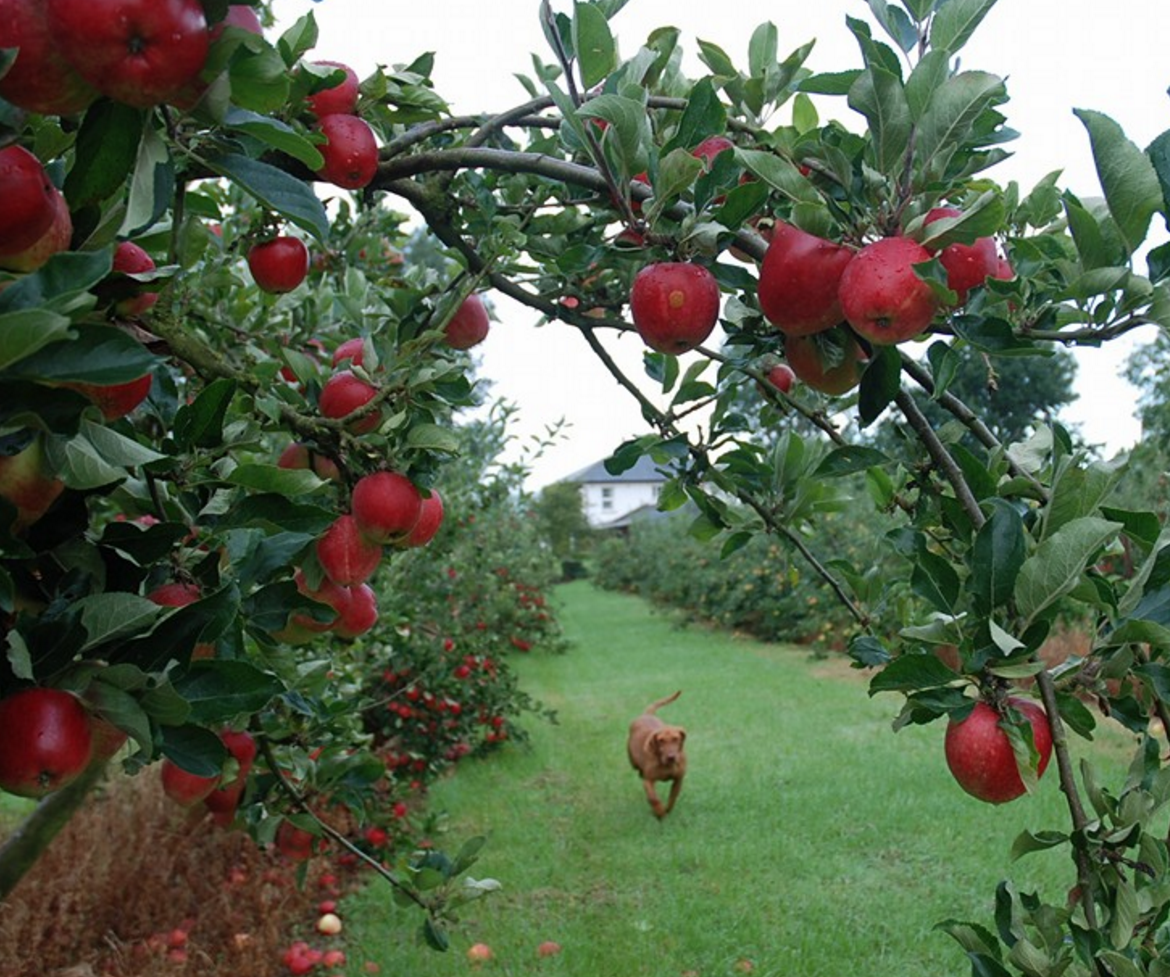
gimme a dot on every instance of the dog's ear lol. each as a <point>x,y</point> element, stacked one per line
<point>682,736</point>
<point>656,745</point>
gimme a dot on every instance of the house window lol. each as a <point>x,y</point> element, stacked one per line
<point>606,499</point>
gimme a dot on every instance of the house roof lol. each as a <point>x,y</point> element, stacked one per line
<point>645,470</point>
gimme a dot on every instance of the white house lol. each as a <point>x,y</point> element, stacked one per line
<point>607,499</point>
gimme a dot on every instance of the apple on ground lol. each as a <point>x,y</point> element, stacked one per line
<point>46,741</point>
<point>329,924</point>
<point>386,506</point>
<point>55,240</point>
<point>340,99</point>
<point>980,755</point>
<point>674,305</point>
<point>548,948</point>
<point>27,206</point>
<point>138,52</point>
<point>882,297</point>
<point>279,264</point>
<point>39,80</point>
<point>350,151</point>
<point>469,325</point>
<point>479,952</point>
<point>799,280</point>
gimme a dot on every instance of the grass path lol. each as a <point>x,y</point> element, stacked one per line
<point>809,838</point>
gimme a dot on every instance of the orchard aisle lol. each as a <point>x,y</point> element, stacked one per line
<point>808,836</point>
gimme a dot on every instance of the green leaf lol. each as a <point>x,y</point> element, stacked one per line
<point>279,135</point>
<point>779,173</point>
<point>893,21</point>
<point>955,21</point>
<point>1058,563</point>
<point>1028,841</point>
<point>298,39</point>
<point>1132,189</point>
<point>950,118</point>
<point>114,615</point>
<point>705,115</point>
<point>594,44</point>
<point>117,706</point>
<point>880,96</point>
<point>107,146</point>
<point>831,83</point>
<point>290,482</point>
<point>850,459</point>
<point>880,384</point>
<point>629,125</point>
<point>61,283</point>
<point>935,580</point>
<point>910,672</point>
<point>432,437</point>
<point>997,555</point>
<point>277,190</point>
<point>434,935</point>
<point>259,80</point>
<point>152,187</point>
<point>25,331</point>
<point>195,749</point>
<point>200,424</point>
<point>115,448</point>
<point>101,355</point>
<point>218,691</point>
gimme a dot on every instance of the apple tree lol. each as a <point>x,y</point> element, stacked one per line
<point>257,425</point>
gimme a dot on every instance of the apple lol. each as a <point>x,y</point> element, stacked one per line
<point>799,279</point>
<point>329,924</point>
<point>46,741</point>
<point>967,265</point>
<point>242,16</point>
<point>174,594</point>
<point>340,99</point>
<point>333,958</point>
<point>980,756</point>
<point>295,843</point>
<point>352,350</point>
<point>132,259</point>
<point>107,739</point>
<point>40,80</point>
<point>299,455</point>
<point>26,483</point>
<point>224,800</point>
<point>359,613</point>
<point>118,399</point>
<point>27,206</point>
<point>469,325</point>
<point>882,297</point>
<point>711,147</point>
<point>184,787</point>
<point>548,948</point>
<point>347,557</point>
<point>430,518</point>
<point>675,305</point>
<point>139,52</point>
<point>782,377</point>
<point>279,264</point>
<point>479,952</point>
<point>350,151</point>
<point>385,506</point>
<point>344,393</point>
<point>831,362</point>
<point>54,240</point>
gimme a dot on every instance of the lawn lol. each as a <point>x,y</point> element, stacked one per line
<point>810,839</point>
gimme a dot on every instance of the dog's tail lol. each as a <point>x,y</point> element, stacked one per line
<point>663,702</point>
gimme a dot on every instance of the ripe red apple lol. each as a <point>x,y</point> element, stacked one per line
<point>53,241</point>
<point>359,614</point>
<point>140,52</point>
<point>980,756</point>
<point>675,305</point>
<point>40,80</point>
<point>469,326</point>
<point>27,483</point>
<point>350,151</point>
<point>967,265</point>
<point>183,787</point>
<point>831,362</point>
<point>548,948</point>
<point>279,264</point>
<point>27,206</point>
<point>430,518</point>
<point>781,376</point>
<point>242,16</point>
<point>352,350</point>
<point>295,843</point>
<point>118,399</point>
<point>175,594</point>
<point>799,279</point>
<point>341,99</point>
<point>299,455</point>
<point>882,297</point>
<point>224,800</point>
<point>344,393</point>
<point>131,259</point>
<point>46,741</point>
<point>711,147</point>
<point>479,952</point>
<point>347,557</point>
<point>385,506</point>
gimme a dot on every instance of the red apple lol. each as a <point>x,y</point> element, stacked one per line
<point>469,326</point>
<point>27,483</point>
<point>781,376</point>
<point>831,362</point>
<point>341,99</point>
<point>242,16</point>
<point>980,756</point>
<point>140,52</point>
<point>40,80</point>
<point>430,518</point>
<point>967,265</point>
<point>46,741</point>
<point>799,279</point>
<point>294,843</point>
<point>299,455</point>
<point>548,948</point>
<point>711,147</point>
<point>53,241</point>
<point>224,800</point>
<point>359,614</point>
<point>347,557</point>
<point>675,305</point>
<point>27,204</point>
<point>279,264</point>
<point>882,296</point>
<point>183,787</point>
<point>479,952</point>
<point>131,259</point>
<point>385,506</point>
<point>350,151</point>
<point>174,594</point>
<point>118,399</point>
<point>352,350</point>
<point>344,393</point>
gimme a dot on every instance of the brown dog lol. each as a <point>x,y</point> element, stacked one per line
<point>656,752</point>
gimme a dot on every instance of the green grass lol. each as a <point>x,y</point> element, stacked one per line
<point>809,838</point>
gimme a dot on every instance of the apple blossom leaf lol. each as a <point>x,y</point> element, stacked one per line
<point>218,691</point>
<point>955,21</point>
<point>677,171</point>
<point>290,482</point>
<point>432,437</point>
<point>896,23</point>
<point>1096,237</point>
<point>102,355</point>
<point>106,148</point>
<point>829,83</point>
<point>258,79</point>
<point>935,580</point>
<point>997,555</point>
<point>849,460</point>
<point>60,285</point>
<point>950,117</point>
<point>880,97</point>
<point>629,124</point>
<point>275,134</point>
<point>910,672</point>
<point>1056,567</point>
<point>1076,715</point>
<point>152,185</point>
<point>98,456</point>
<point>291,198</point>
<point>200,423</point>
<point>1078,491</point>
<point>1143,528</point>
<point>593,43</point>
<point>300,38</point>
<point>25,331</point>
<point>1132,188</point>
<point>880,384</point>
<point>115,448</point>
<point>779,173</point>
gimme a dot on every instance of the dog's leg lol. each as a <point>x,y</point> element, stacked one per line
<point>675,788</point>
<point>652,797</point>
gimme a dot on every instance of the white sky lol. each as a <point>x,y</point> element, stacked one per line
<point>1055,57</point>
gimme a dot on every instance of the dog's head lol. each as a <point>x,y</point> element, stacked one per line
<point>667,744</point>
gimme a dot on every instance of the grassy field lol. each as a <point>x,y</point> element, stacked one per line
<point>809,838</point>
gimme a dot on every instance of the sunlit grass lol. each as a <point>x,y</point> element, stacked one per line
<point>809,838</point>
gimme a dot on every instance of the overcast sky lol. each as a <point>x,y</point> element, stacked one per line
<point>1055,57</point>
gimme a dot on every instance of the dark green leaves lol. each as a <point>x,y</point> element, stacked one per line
<point>288,196</point>
<point>221,690</point>
<point>955,22</point>
<point>593,42</point>
<point>107,145</point>
<point>996,557</point>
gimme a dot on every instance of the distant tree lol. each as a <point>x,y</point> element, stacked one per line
<point>561,518</point>
<point>1146,370</point>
